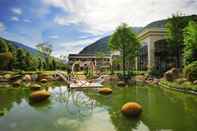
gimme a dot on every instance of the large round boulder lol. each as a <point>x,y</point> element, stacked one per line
<point>105,91</point>
<point>132,109</point>
<point>171,74</point>
<point>38,96</point>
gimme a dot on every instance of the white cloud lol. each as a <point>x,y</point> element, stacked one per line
<point>72,46</point>
<point>64,20</point>
<point>14,18</point>
<point>54,36</point>
<point>101,16</point>
<point>17,11</point>
<point>2,27</point>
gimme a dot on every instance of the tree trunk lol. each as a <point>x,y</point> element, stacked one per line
<point>124,63</point>
<point>178,57</point>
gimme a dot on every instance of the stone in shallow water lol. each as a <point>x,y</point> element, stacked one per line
<point>35,87</point>
<point>121,83</point>
<point>195,82</point>
<point>44,80</point>
<point>17,83</point>
<point>27,78</point>
<point>132,109</point>
<point>38,96</point>
<point>105,91</point>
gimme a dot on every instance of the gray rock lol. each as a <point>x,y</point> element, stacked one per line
<point>195,82</point>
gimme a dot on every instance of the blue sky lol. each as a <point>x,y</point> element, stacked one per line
<point>70,25</point>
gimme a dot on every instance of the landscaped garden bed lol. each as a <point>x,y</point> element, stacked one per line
<point>187,87</point>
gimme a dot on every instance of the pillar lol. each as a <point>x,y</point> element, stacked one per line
<point>151,53</point>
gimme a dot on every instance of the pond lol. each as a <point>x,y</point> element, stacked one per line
<point>86,110</point>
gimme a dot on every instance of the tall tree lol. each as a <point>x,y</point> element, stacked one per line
<point>54,65</point>
<point>12,50</point>
<point>3,46</point>
<point>40,64</point>
<point>190,41</point>
<point>29,62</point>
<point>5,55</point>
<point>175,27</point>
<point>46,50</point>
<point>125,41</point>
<point>20,59</point>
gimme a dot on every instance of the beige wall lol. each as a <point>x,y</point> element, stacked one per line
<point>150,37</point>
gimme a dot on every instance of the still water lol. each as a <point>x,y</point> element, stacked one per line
<point>86,110</point>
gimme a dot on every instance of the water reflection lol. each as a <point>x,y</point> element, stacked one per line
<point>75,102</point>
<point>89,111</point>
<point>162,110</point>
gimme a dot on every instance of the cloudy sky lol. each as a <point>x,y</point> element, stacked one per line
<point>70,25</point>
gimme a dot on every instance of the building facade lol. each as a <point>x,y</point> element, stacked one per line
<point>83,61</point>
<point>147,54</point>
<point>155,51</point>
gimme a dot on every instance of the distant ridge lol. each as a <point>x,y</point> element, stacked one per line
<point>102,45</point>
<point>162,23</point>
<point>20,45</point>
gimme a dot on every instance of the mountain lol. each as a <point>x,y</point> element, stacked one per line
<point>20,45</point>
<point>162,23</point>
<point>98,46</point>
<point>102,44</point>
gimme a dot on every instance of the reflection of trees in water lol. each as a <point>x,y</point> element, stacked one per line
<point>114,103</point>
<point>76,102</point>
<point>161,110</point>
<point>10,96</point>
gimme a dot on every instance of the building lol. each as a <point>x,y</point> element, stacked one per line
<point>155,51</point>
<point>82,61</point>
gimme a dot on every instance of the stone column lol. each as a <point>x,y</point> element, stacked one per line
<point>136,63</point>
<point>151,53</point>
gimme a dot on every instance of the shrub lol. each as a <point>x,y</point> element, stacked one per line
<point>154,72</point>
<point>190,71</point>
<point>128,75</point>
<point>5,58</point>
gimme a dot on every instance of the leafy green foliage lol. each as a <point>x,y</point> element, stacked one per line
<point>5,59</point>
<point>3,46</point>
<point>154,72</point>
<point>45,48</point>
<point>190,40</point>
<point>12,58</point>
<point>175,28</point>
<point>190,71</point>
<point>125,41</point>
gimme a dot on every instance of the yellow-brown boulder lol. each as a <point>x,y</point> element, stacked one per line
<point>105,91</point>
<point>38,96</point>
<point>132,109</point>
